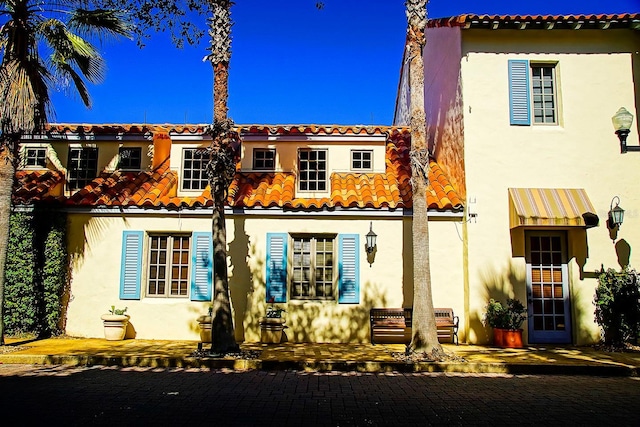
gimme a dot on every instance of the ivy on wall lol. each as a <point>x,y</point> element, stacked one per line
<point>36,273</point>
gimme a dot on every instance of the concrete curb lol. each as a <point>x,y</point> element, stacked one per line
<point>323,365</point>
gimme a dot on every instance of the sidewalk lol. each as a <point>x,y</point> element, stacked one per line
<point>320,357</point>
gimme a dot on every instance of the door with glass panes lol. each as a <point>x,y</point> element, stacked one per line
<point>548,299</point>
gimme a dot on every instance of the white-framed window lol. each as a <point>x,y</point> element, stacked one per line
<point>317,267</point>
<point>194,169</point>
<point>312,170</point>
<point>82,167</point>
<point>130,158</point>
<point>361,160</point>
<point>264,158</point>
<point>543,92</point>
<point>168,265</point>
<point>34,157</point>
<point>533,93</point>
<point>313,268</point>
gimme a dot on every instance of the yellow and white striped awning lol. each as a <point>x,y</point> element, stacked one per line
<point>551,207</point>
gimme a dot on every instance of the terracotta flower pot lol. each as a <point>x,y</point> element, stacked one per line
<point>507,338</point>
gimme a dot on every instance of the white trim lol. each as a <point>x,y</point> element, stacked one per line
<point>337,212</point>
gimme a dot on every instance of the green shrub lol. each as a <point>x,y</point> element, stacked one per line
<point>617,303</point>
<point>36,273</point>
<point>508,316</point>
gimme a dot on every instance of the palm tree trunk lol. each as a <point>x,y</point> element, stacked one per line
<point>220,91</point>
<point>221,170</point>
<point>424,330</point>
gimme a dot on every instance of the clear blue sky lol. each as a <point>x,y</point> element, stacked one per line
<point>291,64</point>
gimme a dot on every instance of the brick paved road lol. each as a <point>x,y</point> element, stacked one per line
<point>69,396</point>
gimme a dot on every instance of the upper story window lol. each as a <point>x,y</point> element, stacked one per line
<point>312,166</point>
<point>362,160</point>
<point>264,158</point>
<point>543,88</point>
<point>34,157</point>
<point>130,158</point>
<point>194,173</point>
<point>313,267</point>
<point>168,274</point>
<point>533,94</point>
<point>82,166</point>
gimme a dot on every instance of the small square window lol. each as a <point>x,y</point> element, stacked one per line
<point>34,157</point>
<point>264,158</point>
<point>361,160</point>
<point>130,158</point>
<point>194,169</point>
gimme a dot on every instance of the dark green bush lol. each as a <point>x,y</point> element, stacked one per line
<point>617,303</point>
<point>35,273</point>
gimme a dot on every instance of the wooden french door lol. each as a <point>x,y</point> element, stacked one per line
<point>548,301</point>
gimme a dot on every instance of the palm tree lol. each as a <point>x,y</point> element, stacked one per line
<point>61,29</point>
<point>425,334</point>
<point>220,171</point>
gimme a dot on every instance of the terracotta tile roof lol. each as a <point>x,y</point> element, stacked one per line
<point>34,185</point>
<point>594,21</point>
<point>158,188</point>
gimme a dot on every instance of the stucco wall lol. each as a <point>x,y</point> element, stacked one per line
<point>595,78</point>
<point>96,244</point>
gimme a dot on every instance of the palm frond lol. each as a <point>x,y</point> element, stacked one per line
<point>71,49</point>
<point>101,23</point>
<point>24,91</point>
<point>66,72</point>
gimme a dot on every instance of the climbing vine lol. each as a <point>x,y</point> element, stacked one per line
<point>36,273</point>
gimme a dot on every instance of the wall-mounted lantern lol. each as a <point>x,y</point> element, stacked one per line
<point>371,239</point>
<point>622,121</point>
<point>616,213</point>
<point>370,245</point>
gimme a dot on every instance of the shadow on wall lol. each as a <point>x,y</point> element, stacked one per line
<point>499,285</point>
<point>240,277</point>
<point>623,251</point>
<point>311,321</point>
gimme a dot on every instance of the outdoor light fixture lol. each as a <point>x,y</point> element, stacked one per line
<point>622,123</point>
<point>616,213</point>
<point>371,239</point>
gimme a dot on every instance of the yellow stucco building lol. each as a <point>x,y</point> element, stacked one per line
<point>519,116</point>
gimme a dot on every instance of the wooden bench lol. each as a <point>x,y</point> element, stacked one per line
<point>393,325</point>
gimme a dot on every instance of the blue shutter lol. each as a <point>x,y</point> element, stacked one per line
<point>131,264</point>
<point>519,110</point>
<point>349,269</point>
<point>201,267</point>
<point>277,267</point>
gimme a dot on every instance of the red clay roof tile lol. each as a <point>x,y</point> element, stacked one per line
<point>579,21</point>
<point>158,188</point>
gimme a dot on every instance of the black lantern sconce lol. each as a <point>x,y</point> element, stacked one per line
<point>371,239</point>
<point>622,121</point>
<point>370,244</point>
<point>616,213</point>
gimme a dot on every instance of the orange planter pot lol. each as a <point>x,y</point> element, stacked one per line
<point>507,338</point>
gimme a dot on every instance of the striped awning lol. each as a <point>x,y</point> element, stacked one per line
<point>551,207</point>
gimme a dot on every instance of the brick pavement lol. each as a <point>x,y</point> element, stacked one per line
<point>67,395</point>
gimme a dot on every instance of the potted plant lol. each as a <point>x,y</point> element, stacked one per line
<point>115,323</point>
<point>506,321</point>
<point>272,326</point>
<point>204,323</point>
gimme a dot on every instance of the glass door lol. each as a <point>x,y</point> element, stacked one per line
<point>548,299</point>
